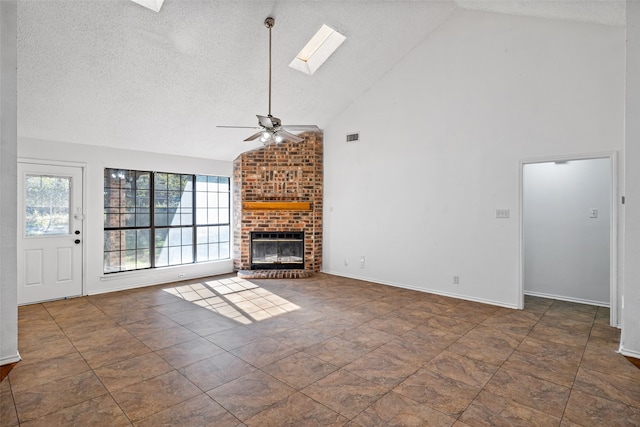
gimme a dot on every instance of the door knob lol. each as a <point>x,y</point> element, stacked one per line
<point>77,241</point>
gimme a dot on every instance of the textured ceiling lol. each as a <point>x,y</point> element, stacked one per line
<point>113,73</point>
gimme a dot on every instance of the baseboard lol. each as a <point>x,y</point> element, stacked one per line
<point>634,361</point>
<point>7,364</point>
<point>629,353</point>
<point>428,291</point>
<point>631,356</point>
<point>568,299</point>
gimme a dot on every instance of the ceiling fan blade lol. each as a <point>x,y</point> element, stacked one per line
<point>254,136</point>
<point>239,127</point>
<point>289,136</point>
<point>301,128</point>
<point>265,121</point>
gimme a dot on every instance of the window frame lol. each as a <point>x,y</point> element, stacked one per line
<point>154,229</point>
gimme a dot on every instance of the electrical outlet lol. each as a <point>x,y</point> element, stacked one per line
<point>456,280</point>
<point>362,262</point>
<point>346,262</point>
<point>502,213</point>
<point>182,275</point>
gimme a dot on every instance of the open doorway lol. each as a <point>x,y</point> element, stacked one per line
<point>568,231</point>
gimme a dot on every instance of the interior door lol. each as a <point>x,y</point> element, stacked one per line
<point>50,215</point>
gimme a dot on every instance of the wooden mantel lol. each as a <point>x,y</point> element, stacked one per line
<point>277,206</point>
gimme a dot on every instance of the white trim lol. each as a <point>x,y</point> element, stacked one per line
<point>613,226</point>
<point>569,299</point>
<point>634,354</point>
<point>426,291</point>
<point>7,360</point>
<point>83,172</point>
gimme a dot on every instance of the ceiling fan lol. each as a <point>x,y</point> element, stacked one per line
<point>272,131</point>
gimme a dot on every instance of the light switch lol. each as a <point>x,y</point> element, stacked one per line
<point>593,213</point>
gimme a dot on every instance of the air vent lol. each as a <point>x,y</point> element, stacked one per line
<point>353,137</point>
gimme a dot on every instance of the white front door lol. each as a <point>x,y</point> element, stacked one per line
<point>50,232</point>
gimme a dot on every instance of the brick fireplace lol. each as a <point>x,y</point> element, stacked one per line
<point>278,189</point>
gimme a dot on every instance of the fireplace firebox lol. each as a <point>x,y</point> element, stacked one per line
<point>277,250</point>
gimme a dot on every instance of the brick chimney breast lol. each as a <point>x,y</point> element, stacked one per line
<point>278,188</point>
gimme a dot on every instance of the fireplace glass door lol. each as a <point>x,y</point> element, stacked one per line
<point>276,250</point>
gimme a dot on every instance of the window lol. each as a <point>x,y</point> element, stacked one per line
<point>47,205</point>
<point>157,219</point>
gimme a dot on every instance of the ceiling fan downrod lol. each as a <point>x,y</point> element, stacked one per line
<point>269,23</point>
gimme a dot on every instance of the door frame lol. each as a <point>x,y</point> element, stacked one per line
<point>83,169</point>
<point>613,225</point>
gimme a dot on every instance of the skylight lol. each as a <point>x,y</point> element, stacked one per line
<point>319,49</point>
<point>154,5</point>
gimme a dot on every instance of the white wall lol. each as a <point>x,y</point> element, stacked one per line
<point>566,250</point>
<point>8,137</point>
<point>630,340</point>
<point>442,135</point>
<point>95,159</point>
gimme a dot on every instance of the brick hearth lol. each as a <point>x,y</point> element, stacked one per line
<point>290,174</point>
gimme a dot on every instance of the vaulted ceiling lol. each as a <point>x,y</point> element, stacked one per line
<point>113,73</point>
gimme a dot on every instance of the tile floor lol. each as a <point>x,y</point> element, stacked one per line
<point>324,351</point>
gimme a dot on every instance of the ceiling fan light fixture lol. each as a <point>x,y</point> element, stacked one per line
<point>317,50</point>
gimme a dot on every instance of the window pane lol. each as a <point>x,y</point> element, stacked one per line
<point>223,184</point>
<point>175,255</point>
<point>201,235</point>
<point>187,254</point>
<point>201,216</point>
<point>187,236</point>
<point>223,200</point>
<point>112,240</point>
<point>142,220</point>
<point>174,182</point>
<point>129,220</point>
<point>212,183</point>
<point>201,199</point>
<point>143,259</point>
<point>224,250</point>
<point>132,223</point>
<point>47,205</point>
<point>142,199</point>
<point>224,233</point>
<point>186,218</point>
<point>212,200</point>
<point>143,239</point>
<point>111,262</point>
<point>160,181</point>
<point>129,260</point>
<point>213,235</point>
<point>213,252</point>
<point>223,215</point>
<point>160,218</point>
<point>162,257</point>
<point>212,217</point>
<point>203,254</point>
<point>174,237</point>
<point>201,183</point>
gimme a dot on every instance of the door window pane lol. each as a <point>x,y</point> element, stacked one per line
<point>48,205</point>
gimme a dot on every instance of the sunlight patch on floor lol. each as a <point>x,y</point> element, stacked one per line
<point>235,298</point>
